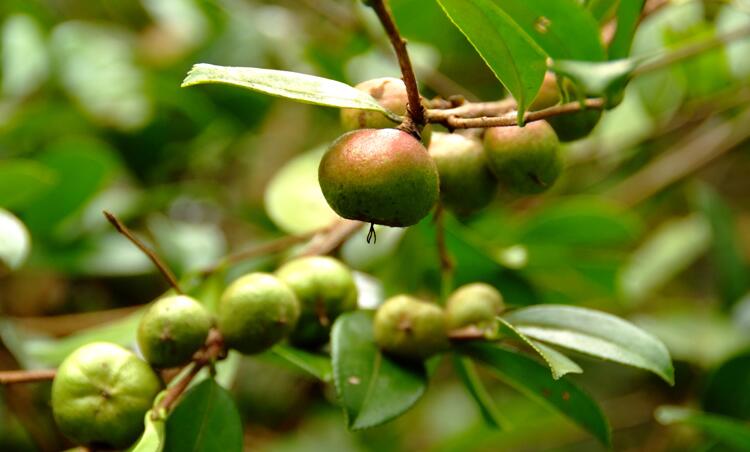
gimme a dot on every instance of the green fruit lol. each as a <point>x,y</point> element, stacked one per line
<point>172,330</point>
<point>325,289</point>
<point>390,93</point>
<point>525,159</point>
<point>466,182</point>
<point>101,394</point>
<point>476,304</point>
<point>410,328</point>
<point>382,176</point>
<point>256,311</point>
<point>575,126</point>
<point>549,93</point>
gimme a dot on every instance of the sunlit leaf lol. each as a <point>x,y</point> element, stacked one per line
<point>372,388</point>
<point>290,85</point>
<point>467,372</point>
<point>558,363</point>
<point>315,364</point>
<point>594,333</point>
<point>14,242</point>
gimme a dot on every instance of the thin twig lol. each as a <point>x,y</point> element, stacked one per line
<point>446,262</point>
<point>510,118</point>
<point>161,266</point>
<point>328,240</point>
<point>8,377</point>
<point>415,110</point>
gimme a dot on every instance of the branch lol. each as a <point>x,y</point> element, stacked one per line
<point>507,119</point>
<point>446,262</point>
<point>329,239</point>
<point>161,266</point>
<point>415,110</point>
<point>26,376</point>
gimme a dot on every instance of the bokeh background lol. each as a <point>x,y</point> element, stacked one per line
<point>651,220</point>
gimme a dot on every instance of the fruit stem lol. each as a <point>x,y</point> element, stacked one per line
<point>160,265</point>
<point>414,108</point>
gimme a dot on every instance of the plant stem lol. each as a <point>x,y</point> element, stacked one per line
<point>414,109</point>
<point>26,376</point>
<point>332,237</point>
<point>446,262</point>
<point>161,266</point>
<point>506,119</point>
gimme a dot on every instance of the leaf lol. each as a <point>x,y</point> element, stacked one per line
<point>152,439</point>
<point>206,419</point>
<point>558,363</point>
<point>516,60</point>
<point>628,15</point>
<point>671,248</point>
<point>21,181</point>
<point>724,390</point>
<point>533,379</point>
<point>607,79</point>
<point>731,271</point>
<point>582,222</point>
<point>15,242</point>
<point>25,64</point>
<point>304,88</point>
<point>468,374</point>
<point>371,387</point>
<point>727,430</point>
<point>294,200</point>
<point>562,28</point>
<point>595,333</point>
<point>317,365</point>
<point>602,10</point>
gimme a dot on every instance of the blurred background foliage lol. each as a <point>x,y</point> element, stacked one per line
<point>651,220</point>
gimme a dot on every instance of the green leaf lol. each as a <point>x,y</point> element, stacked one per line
<point>628,15</point>
<point>595,333</point>
<point>25,64</point>
<point>304,88</point>
<point>727,430</point>
<point>581,222</point>
<point>671,248</point>
<point>23,180</point>
<point>607,79</point>
<point>41,351</point>
<point>562,28</point>
<point>602,10</point>
<point>206,419</point>
<point>15,242</point>
<point>513,56</point>
<point>558,363</point>
<point>467,372</point>
<point>533,379</point>
<point>293,198</point>
<point>317,365</point>
<point>372,388</point>
<point>152,439</point>
<point>731,271</point>
<point>724,390</point>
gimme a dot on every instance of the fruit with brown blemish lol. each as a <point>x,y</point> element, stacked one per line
<point>382,176</point>
<point>325,289</point>
<point>410,328</point>
<point>526,160</point>
<point>256,311</point>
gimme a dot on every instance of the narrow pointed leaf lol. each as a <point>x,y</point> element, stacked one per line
<point>372,387</point>
<point>304,88</point>
<point>727,430</point>
<point>317,365</point>
<point>628,15</point>
<point>595,333</point>
<point>152,439</point>
<point>517,61</point>
<point>533,380</point>
<point>558,363</point>
<point>467,372</point>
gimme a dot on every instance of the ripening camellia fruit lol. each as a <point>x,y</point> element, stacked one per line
<point>172,330</point>
<point>325,289</point>
<point>525,159</point>
<point>568,127</point>
<point>382,176</point>
<point>256,311</point>
<point>100,395</point>
<point>476,304</point>
<point>391,93</point>
<point>410,328</point>
<point>466,182</point>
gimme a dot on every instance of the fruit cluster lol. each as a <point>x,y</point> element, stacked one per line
<point>102,392</point>
<point>380,174</point>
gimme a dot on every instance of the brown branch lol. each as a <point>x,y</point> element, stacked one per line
<point>161,266</point>
<point>331,238</point>
<point>510,118</point>
<point>415,110</point>
<point>8,377</point>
